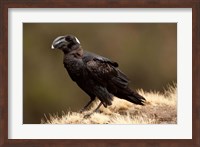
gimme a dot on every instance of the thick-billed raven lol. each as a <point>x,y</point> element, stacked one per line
<point>96,75</point>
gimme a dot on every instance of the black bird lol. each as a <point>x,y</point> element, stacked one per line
<point>96,75</point>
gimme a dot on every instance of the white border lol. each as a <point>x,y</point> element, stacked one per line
<point>183,130</point>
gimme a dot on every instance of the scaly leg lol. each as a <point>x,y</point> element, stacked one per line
<point>85,107</point>
<point>98,107</point>
<point>87,115</point>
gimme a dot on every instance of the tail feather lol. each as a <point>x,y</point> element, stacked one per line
<point>136,99</point>
<point>119,87</point>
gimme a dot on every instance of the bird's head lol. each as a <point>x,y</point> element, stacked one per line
<point>66,43</point>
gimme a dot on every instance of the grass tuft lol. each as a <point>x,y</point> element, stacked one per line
<point>160,108</point>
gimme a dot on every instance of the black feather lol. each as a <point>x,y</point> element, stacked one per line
<point>96,75</point>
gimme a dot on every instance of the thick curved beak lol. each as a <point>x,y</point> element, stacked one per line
<point>57,41</point>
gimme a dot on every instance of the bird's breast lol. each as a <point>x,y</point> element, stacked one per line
<point>75,68</point>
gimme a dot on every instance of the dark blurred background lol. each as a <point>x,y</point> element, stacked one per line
<point>146,53</point>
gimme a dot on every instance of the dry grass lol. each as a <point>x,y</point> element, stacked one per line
<point>160,108</point>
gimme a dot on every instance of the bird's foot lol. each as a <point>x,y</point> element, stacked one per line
<point>87,115</point>
<point>82,110</point>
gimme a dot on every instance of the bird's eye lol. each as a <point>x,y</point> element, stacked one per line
<point>68,39</point>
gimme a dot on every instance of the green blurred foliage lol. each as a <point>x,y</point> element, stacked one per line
<point>146,53</point>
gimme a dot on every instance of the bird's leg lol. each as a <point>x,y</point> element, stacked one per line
<point>87,115</point>
<point>85,107</point>
<point>98,107</point>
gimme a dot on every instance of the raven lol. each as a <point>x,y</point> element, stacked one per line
<point>96,75</point>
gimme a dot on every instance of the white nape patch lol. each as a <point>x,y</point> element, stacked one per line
<point>77,40</point>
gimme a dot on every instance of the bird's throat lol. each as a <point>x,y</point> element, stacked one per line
<point>78,52</point>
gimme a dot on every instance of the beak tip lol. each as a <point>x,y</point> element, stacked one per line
<point>52,47</point>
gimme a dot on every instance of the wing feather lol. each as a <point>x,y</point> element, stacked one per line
<point>106,72</point>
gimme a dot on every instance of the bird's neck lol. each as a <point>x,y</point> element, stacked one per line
<point>76,52</point>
